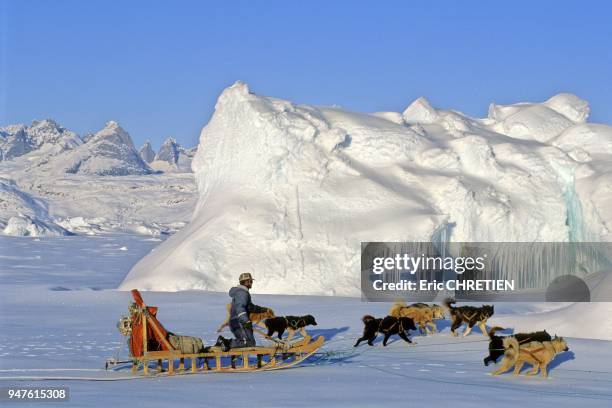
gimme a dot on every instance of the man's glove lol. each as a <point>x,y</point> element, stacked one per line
<point>248,325</point>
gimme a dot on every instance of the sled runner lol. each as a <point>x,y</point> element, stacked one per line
<point>150,342</point>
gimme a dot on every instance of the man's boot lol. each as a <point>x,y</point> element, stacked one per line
<point>223,343</point>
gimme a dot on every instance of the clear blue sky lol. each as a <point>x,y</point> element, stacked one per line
<point>158,68</point>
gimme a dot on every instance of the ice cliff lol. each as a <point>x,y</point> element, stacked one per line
<point>288,192</point>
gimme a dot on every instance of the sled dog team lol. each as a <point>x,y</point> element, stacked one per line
<point>537,349</point>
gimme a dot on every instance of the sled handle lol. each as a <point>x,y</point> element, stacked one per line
<point>137,298</point>
<point>146,319</point>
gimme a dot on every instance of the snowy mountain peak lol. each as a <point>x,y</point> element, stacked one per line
<point>420,111</point>
<point>46,135</point>
<point>170,142</point>
<point>146,152</point>
<point>172,157</point>
<point>49,131</point>
<point>46,123</point>
<point>109,151</point>
<point>169,151</point>
<point>114,133</point>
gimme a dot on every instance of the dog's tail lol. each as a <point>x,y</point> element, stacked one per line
<point>448,303</point>
<point>511,349</point>
<point>494,330</point>
<point>396,307</point>
<point>227,318</point>
<point>367,318</point>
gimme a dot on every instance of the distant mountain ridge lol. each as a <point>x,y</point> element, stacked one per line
<point>18,140</point>
<point>55,182</point>
<point>108,152</point>
<point>171,157</point>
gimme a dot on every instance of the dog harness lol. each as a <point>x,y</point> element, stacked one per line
<point>463,315</point>
<point>398,321</point>
<point>294,324</point>
<point>531,353</point>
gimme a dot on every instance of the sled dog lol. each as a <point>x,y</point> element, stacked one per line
<point>470,315</point>
<point>438,311</point>
<point>422,314</point>
<point>254,317</point>
<point>496,343</point>
<point>389,326</point>
<point>537,353</point>
<point>290,323</point>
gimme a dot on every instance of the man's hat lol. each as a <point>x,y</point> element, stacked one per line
<point>245,277</point>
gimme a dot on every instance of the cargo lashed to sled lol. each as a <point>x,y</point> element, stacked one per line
<point>149,342</point>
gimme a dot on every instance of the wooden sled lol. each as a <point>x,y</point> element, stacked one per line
<point>149,343</point>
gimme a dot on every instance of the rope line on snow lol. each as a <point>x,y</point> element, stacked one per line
<point>40,378</point>
<point>7,370</point>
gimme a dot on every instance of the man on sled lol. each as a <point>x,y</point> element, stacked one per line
<point>240,324</point>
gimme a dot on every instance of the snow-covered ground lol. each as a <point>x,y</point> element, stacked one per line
<point>149,204</point>
<point>58,311</point>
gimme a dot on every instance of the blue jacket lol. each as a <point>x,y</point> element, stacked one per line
<point>241,304</point>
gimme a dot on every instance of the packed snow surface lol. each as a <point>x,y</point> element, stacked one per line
<point>288,192</point>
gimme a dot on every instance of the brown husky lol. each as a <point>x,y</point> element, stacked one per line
<point>254,317</point>
<point>537,353</point>
<point>438,311</point>
<point>422,314</point>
